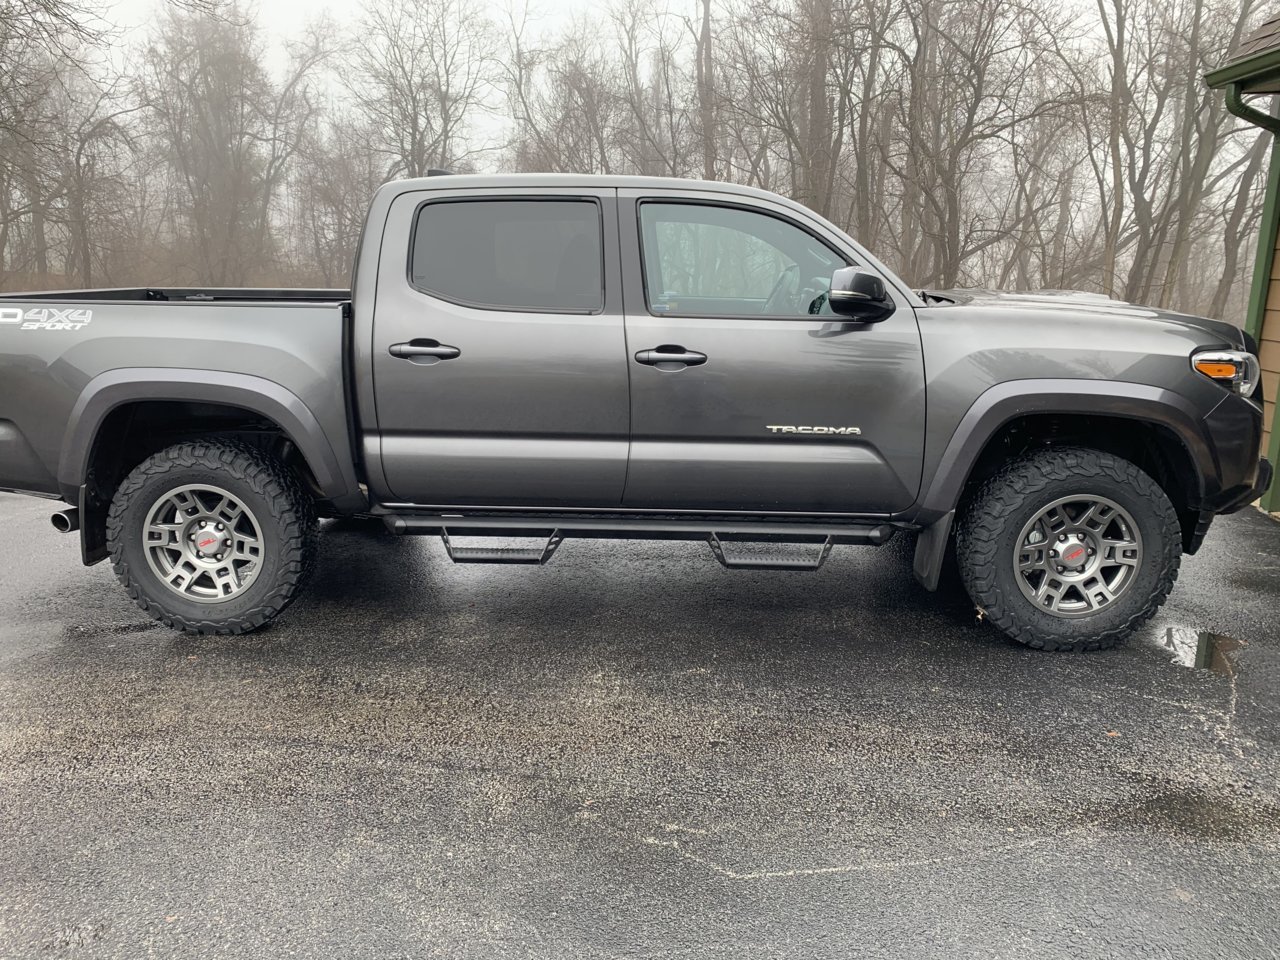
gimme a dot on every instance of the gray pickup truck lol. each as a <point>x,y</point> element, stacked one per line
<point>553,356</point>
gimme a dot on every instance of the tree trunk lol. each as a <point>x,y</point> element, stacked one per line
<point>1244,202</point>
<point>705,64</point>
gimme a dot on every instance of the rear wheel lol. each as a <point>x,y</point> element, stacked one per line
<point>212,537</point>
<point>1069,549</point>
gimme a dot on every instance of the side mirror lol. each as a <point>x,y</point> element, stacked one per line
<point>859,296</point>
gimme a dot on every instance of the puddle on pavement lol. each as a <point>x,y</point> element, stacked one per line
<point>1202,650</point>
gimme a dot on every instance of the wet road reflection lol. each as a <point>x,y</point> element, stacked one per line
<point>632,752</point>
<point>1202,650</point>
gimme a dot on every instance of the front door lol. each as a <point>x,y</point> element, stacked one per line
<point>747,394</point>
<point>500,375</point>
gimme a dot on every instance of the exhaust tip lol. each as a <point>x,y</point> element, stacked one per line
<point>66,521</point>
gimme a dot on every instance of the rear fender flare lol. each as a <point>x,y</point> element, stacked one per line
<point>105,392</point>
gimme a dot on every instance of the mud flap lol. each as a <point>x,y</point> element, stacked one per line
<point>93,527</point>
<point>931,550</point>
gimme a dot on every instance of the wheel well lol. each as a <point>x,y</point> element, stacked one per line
<point>134,431</point>
<point>1153,448</point>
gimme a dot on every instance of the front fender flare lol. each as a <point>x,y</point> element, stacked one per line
<point>1016,398</point>
<point>1007,401</point>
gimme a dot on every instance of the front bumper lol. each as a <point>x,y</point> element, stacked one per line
<point>1233,431</point>
<point>1194,536</point>
<point>1266,473</point>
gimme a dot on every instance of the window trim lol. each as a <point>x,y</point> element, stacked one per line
<point>511,198</point>
<point>746,208</point>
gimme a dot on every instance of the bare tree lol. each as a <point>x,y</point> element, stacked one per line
<point>336,172</point>
<point>1011,142</point>
<point>226,132</point>
<point>422,70</point>
<point>567,102</point>
<point>59,25</point>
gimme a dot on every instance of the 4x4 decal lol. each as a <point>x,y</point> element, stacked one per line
<point>47,318</point>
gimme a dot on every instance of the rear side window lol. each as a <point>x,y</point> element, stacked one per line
<point>542,255</point>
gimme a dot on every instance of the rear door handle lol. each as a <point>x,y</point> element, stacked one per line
<point>673,354</point>
<point>423,351</point>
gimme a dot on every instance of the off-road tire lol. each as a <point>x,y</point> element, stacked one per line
<point>271,490</point>
<point>985,546</point>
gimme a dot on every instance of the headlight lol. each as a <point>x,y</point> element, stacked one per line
<point>1234,369</point>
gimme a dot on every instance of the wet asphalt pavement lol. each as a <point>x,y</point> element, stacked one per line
<point>630,753</point>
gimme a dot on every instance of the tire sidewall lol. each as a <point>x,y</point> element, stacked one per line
<point>134,517</point>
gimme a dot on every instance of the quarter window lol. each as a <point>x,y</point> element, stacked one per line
<point>716,261</point>
<point>542,255</point>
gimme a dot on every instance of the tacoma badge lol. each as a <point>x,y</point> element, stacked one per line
<point>852,431</point>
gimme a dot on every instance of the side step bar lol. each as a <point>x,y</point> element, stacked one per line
<point>534,555</point>
<point>768,563</point>
<point>717,531</point>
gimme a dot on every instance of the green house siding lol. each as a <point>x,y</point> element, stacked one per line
<point>1255,70</point>
<point>1267,332</point>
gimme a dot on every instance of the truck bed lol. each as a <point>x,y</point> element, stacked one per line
<point>70,359</point>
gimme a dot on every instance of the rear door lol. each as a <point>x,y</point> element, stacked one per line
<point>746,392</point>
<point>500,373</point>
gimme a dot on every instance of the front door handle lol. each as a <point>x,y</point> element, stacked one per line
<point>670,356</point>
<point>423,351</point>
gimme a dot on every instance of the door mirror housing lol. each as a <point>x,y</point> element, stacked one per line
<point>859,295</point>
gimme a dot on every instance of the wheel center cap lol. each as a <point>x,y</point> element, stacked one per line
<point>207,542</point>
<point>1075,555</point>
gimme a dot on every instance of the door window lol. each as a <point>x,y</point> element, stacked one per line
<point>536,255</point>
<point>703,260</point>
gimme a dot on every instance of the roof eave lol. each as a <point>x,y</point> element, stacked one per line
<point>1258,69</point>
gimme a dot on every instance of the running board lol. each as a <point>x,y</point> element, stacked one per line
<point>718,532</point>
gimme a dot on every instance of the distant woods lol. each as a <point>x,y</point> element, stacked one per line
<point>1032,144</point>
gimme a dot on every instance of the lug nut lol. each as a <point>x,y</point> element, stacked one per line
<point>220,527</point>
<point>1053,553</point>
<point>1062,569</point>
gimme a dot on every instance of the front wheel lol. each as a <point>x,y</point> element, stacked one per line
<point>212,537</point>
<point>1069,549</point>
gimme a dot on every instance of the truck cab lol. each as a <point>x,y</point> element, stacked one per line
<point>641,347</point>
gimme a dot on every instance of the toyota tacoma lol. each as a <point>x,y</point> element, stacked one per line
<point>551,356</point>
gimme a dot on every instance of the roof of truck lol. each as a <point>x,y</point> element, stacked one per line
<point>570,181</point>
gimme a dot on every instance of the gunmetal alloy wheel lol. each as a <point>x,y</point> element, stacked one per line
<point>1068,548</point>
<point>202,543</point>
<point>1078,555</point>
<point>212,536</point>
